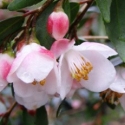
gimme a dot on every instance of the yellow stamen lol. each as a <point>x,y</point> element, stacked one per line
<point>42,82</point>
<point>82,71</point>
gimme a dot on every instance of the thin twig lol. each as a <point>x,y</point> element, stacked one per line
<point>79,18</point>
<point>85,1</point>
<point>30,12</point>
<point>47,3</point>
<point>7,114</point>
<point>93,37</point>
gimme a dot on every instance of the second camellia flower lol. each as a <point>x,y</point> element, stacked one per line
<point>84,65</point>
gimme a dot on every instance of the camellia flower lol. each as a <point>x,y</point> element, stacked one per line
<point>58,24</point>
<point>87,64</point>
<point>5,65</point>
<point>33,71</point>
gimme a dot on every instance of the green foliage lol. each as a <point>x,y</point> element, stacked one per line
<point>66,7</point>
<point>116,27</point>
<point>104,7</point>
<point>41,27</point>
<point>74,9</point>
<point>10,26</point>
<point>40,118</point>
<point>19,4</point>
<point>27,119</point>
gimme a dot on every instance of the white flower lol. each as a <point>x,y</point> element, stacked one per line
<point>34,76</point>
<point>5,65</point>
<point>86,63</point>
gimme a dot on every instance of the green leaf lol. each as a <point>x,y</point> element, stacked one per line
<point>41,27</point>
<point>27,119</point>
<point>41,116</point>
<point>19,4</point>
<point>66,7</point>
<point>116,27</point>
<point>104,6</point>
<point>10,26</point>
<point>64,106</point>
<point>74,9</point>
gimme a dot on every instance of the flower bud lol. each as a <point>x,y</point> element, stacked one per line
<point>58,24</point>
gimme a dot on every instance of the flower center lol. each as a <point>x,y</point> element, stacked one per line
<point>79,66</point>
<point>42,82</point>
<point>110,97</point>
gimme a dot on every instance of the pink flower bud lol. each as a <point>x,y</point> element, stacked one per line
<point>58,24</point>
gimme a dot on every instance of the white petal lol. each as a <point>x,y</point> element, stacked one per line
<point>3,84</point>
<point>101,48</point>
<point>61,46</point>
<point>51,81</point>
<point>16,63</point>
<point>65,78</point>
<point>122,101</point>
<point>102,74</point>
<point>22,89</point>
<point>34,101</point>
<point>35,67</point>
<point>118,84</point>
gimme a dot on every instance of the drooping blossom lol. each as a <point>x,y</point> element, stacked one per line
<point>33,72</point>
<point>86,64</point>
<point>58,24</point>
<point>5,65</point>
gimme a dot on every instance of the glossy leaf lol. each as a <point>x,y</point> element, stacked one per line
<point>64,106</point>
<point>74,9</point>
<point>104,6</point>
<point>10,26</point>
<point>27,119</point>
<point>66,7</point>
<point>19,4</point>
<point>41,27</point>
<point>116,27</point>
<point>41,116</point>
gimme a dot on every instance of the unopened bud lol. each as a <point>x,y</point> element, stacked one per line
<point>58,24</point>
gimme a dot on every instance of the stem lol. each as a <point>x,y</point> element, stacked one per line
<point>79,18</point>
<point>47,3</point>
<point>94,37</point>
<point>85,1</point>
<point>30,12</point>
<point>5,118</point>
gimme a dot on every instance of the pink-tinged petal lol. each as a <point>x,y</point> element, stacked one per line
<point>102,74</point>
<point>24,54</point>
<point>34,101</point>
<point>16,63</point>
<point>61,46</point>
<point>101,48</point>
<point>122,101</point>
<point>58,24</point>
<point>22,89</point>
<point>36,66</point>
<point>65,78</point>
<point>5,65</point>
<point>52,81</point>
<point>118,84</point>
